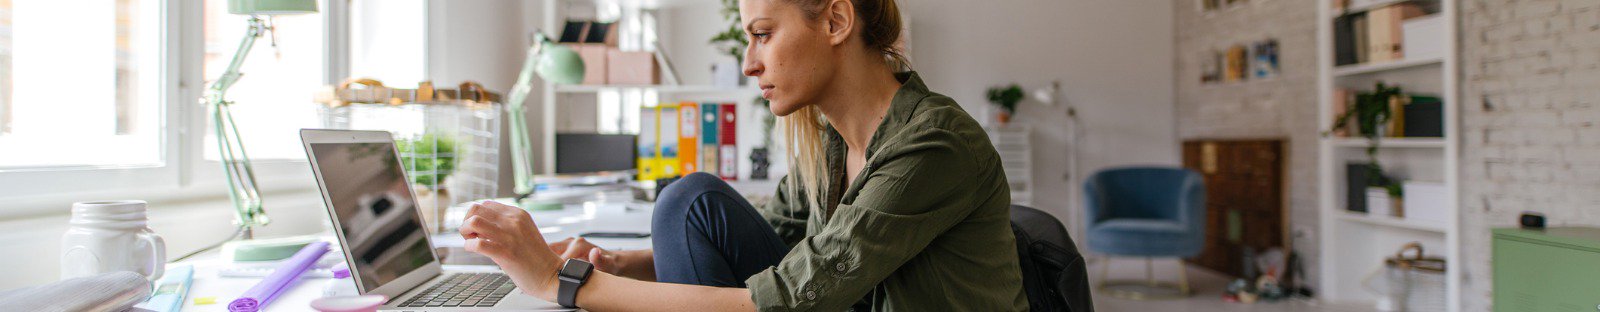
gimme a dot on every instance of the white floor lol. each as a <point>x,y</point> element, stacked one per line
<point>1208,287</point>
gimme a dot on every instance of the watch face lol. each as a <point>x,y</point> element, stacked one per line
<point>576,268</point>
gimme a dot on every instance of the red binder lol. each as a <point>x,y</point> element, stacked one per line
<point>728,129</point>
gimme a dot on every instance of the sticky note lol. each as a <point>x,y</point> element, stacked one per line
<point>205,300</point>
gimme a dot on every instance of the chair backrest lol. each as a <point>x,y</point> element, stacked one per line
<point>1141,193</point>
<point>1053,272</point>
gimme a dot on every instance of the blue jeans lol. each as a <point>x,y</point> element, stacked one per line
<point>705,233</point>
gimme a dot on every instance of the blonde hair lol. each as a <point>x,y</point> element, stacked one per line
<point>803,129</point>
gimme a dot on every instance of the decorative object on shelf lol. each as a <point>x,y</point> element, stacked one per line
<point>1531,220</point>
<point>553,63</point>
<point>1211,67</point>
<point>1372,113</point>
<point>1265,53</point>
<point>236,165</point>
<point>732,42</point>
<point>1409,283</point>
<point>1006,98</point>
<point>760,157</point>
<point>1423,117</point>
<point>1237,64</point>
<point>449,139</point>
<point>759,163</point>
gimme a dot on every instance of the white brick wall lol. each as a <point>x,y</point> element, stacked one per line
<point>1284,107</point>
<point>1531,79</point>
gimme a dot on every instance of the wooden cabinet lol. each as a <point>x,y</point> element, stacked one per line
<point>1557,269</point>
<point>1244,199</point>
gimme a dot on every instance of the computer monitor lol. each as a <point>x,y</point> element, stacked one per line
<point>593,152</point>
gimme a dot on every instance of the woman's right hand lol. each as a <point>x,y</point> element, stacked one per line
<point>639,265</point>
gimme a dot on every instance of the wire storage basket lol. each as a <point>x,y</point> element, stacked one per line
<point>449,140</point>
<point>1411,283</point>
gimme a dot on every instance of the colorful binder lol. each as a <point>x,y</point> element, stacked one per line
<point>649,151</point>
<point>688,139</point>
<point>667,165</point>
<point>729,152</point>
<point>708,138</point>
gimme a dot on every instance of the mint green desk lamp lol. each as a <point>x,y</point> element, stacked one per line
<point>242,187</point>
<point>557,64</point>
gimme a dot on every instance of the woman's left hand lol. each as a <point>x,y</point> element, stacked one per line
<point>508,236</point>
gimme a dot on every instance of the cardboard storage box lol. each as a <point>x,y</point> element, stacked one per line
<point>632,68</point>
<point>594,61</point>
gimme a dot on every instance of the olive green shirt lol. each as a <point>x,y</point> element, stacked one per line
<point>924,227</point>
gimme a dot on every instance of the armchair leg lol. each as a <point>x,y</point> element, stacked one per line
<point>1147,289</point>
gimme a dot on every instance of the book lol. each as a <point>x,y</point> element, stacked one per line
<point>648,150</point>
<point>1358,29</point>
<point>729,152</point>
<point>1344,41</point>
<point>709,162</point>
<point>1341,105</point>
<point>667,166</point>
<point>1379,38</point>
<point>1396,126</point>
<point>688,138</point>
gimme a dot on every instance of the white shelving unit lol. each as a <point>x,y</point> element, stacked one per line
<point>1016,156</point>
<point>556,97</point>
<point>1353,243</point>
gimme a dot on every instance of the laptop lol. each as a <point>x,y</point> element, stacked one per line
<point>382,235</point>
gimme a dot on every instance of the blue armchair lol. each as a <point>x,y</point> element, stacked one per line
<point>1147,212</point>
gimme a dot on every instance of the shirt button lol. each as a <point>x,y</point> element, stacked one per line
<point>811,295</point>
<point>839,266</point>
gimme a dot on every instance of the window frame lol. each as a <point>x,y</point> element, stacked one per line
<point>183,172</point>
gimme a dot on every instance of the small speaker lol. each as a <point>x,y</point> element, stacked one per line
<point>1532,221</point>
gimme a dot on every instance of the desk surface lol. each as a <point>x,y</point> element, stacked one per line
<point>556,225</point>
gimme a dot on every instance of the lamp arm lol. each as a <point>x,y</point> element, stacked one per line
<point>242,188</point>
<point>521,145</point>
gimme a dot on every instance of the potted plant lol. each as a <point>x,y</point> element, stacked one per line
<point>1006,98</point>
<point>732,42</point>
<point>428,160</point>
<point>1371,111</point>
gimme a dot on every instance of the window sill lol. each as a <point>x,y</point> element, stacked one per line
<point>286,178</point>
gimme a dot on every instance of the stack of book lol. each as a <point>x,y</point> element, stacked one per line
<point>676,139</point>
<point>1380,34</point>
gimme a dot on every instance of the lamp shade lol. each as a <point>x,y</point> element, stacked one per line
<point>271,7</point>
<point>560,64</point>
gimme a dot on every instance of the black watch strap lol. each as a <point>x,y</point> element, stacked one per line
<point>573,275</point>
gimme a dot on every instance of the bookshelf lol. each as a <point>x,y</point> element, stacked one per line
<point>1355,243</point>
<point>581,107</point>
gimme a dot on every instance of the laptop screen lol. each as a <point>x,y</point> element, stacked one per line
<point>376,211</point>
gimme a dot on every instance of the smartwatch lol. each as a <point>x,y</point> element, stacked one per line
<point>573,274</point>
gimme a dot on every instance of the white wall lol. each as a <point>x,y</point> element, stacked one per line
<point>1113,59</point>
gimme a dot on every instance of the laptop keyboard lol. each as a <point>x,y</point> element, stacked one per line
<point>464,290</point>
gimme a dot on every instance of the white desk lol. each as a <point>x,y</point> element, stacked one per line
<point>556,225</point>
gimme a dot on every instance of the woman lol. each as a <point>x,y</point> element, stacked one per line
<point>896,202</point>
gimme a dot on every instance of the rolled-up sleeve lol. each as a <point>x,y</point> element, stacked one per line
<point>910,199</point>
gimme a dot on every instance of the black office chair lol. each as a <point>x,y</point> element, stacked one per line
<point>1053,272</point>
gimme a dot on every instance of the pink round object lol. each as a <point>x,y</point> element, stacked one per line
<point>349,304</point>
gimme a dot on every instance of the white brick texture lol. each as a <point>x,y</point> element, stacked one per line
<point>1530,79</point>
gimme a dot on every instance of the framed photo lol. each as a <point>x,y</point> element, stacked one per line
<point>1265,63</point>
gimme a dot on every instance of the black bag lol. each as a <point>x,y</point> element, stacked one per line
<point>1053,272</point>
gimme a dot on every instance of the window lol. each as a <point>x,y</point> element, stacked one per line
<point>387,41</point>
<point>81,92</point>
<point>273,100</point>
